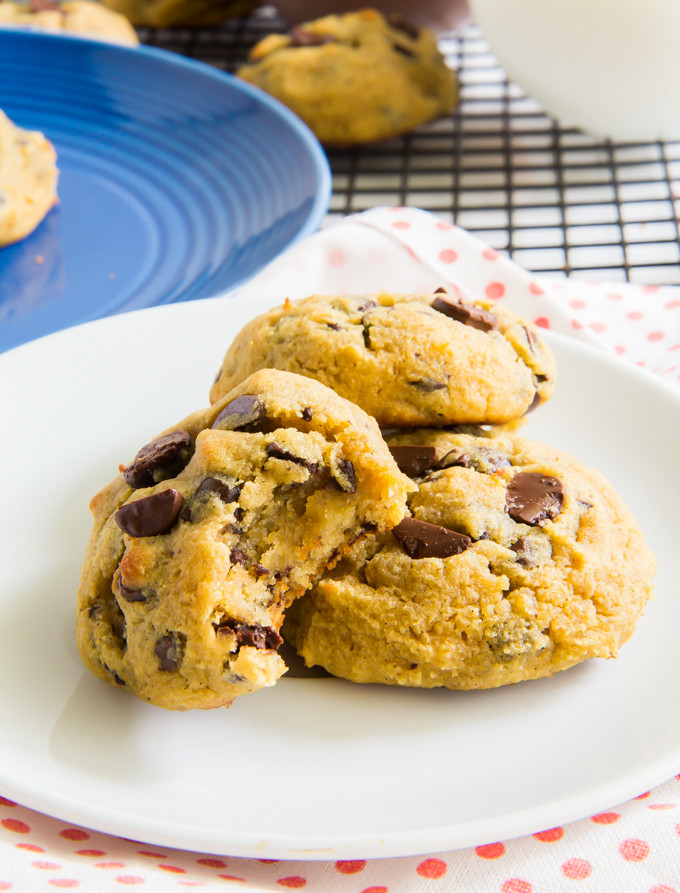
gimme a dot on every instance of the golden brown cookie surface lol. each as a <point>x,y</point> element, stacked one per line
<point>74,16</point>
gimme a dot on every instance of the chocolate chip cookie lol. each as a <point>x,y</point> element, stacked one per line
<point>429,360</point>
<point>74,16</point>
<point>28,180</point>
<point>215,526</point>
<point>515,562</point>
<point>356,77</point>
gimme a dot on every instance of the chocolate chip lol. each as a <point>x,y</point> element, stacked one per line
<point>238,556</point>
<point>531,339</point>
<point>276,451</point>
<point>419,539</point>
<point>414,460</point>
<point>169,650</point>
<point>130,595</point>
<point>428,384</point>
<point>251,634</point>
<point>366,332</point>
<point>307,413</point>
<point>404,51</point>
<point>533,497</point>
<point>301,37</point>
<point>151,515</point>
<point>241,413</point>
<point>397,21</point>
<point>344,475</point>
<point>454,458</point>
<point>334,326</point>
<point>440,291</point>
<point>368,305</point>
<point>468,314</point>
<point>225,492</point>
<point>159,460</point>
<point>525,556</point>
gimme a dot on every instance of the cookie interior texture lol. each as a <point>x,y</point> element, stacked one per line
<point>407,360</point>
<point>517,562</point>
<point>357,77</point>
<point>208,535</point>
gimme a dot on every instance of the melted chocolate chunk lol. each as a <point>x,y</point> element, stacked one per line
<point>334,326</point>
<point>301,37</point>
<point>533,498</point>
<point>159,460</point>
<point>169,650</point>
<point>307,413</point>
<point>397,21</point>
<point>223,491</point>
<point>130,595</point>
<point>252,634</point>
<point>468,314</point>
<point>151,515</point>
<point>344,475</point>
<point>276,451</point>
<point>238,556</point>
<point>414,460</point>
<point>525,555</point>
<point>419,539</point>
<point>242,412</point>
<point>428,384</point>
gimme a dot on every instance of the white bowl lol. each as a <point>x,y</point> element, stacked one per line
<point>611,67</point>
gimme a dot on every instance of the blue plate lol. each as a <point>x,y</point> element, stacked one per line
<point>177,181</point>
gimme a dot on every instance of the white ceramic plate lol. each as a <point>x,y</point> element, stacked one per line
<point>312,768</point>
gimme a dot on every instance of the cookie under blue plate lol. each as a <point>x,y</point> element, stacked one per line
<point>177,181</point>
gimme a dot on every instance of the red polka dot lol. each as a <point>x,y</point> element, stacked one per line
<point>401,224</point>
<point>550,835</point>
<point>448,255</point>
<point>490,254</point>
<point>490,850</point>
<point>656,336</point>
<point>671,305</point>
<point>598,327</point>
<point>516,885</point>
<point>5,885</point>
<point>575,324</point>
<point>606,818</point>
<point>643,796</point>
<point>15,825</point>
<point>395,209</point>
<point>5,802</point>
<point>577,869</point>
<point>619,348</point>
<point>212,863</point>
<point>350,866</point>
<point>110,865</point>
<point>650,288</point>
<point>130,879</point>
<point>375,890</point>
<point>432,868</point>
<point>662,888</point>
<point>152,855</point>
<point>577,304</point>
<point>615,297</point>
<point>46,866</point>
<point>64,882</point>
<point>442,224</point>
<point>674,347</point>
<point>230,877</point>
<point>74,834</point>
<point>635,314</point>
<point>175,869</point>
<point>336,257</point>
<point>90,853</point>
<point>31,847</point>
<point>542,322</point>
<point>662,805</point>
<point>634,850</point>
<point>536,289</point>
<point>294,882</point>
<point>495,291</point>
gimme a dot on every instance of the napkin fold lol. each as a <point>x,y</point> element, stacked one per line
<point>634,847</point>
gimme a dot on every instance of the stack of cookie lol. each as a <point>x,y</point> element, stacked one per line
<point>358,487</point>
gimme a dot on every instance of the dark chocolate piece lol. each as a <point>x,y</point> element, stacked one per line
<point>159,460</point>
<point>420,539</point>
<point>428,384</point>
<point>344,475</point>
<point>367,306</point>
<point>238,556</point>
<point>533,498</point>
<point>151,515</point>
<point>301,37</point>
<point>224,491</point>
<point>468,314</point>
<point>130,595</point>
<point>252,634</point>
<point>414,460</point>
<point>403,50</point>
<point>307,413</point>
<point>169,650</point>
<point>276,451</point>
<point>240,413</point>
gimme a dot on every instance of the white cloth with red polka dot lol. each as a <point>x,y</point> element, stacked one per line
<point>632,848</point>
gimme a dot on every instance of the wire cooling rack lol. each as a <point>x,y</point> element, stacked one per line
<point>556,200</point>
